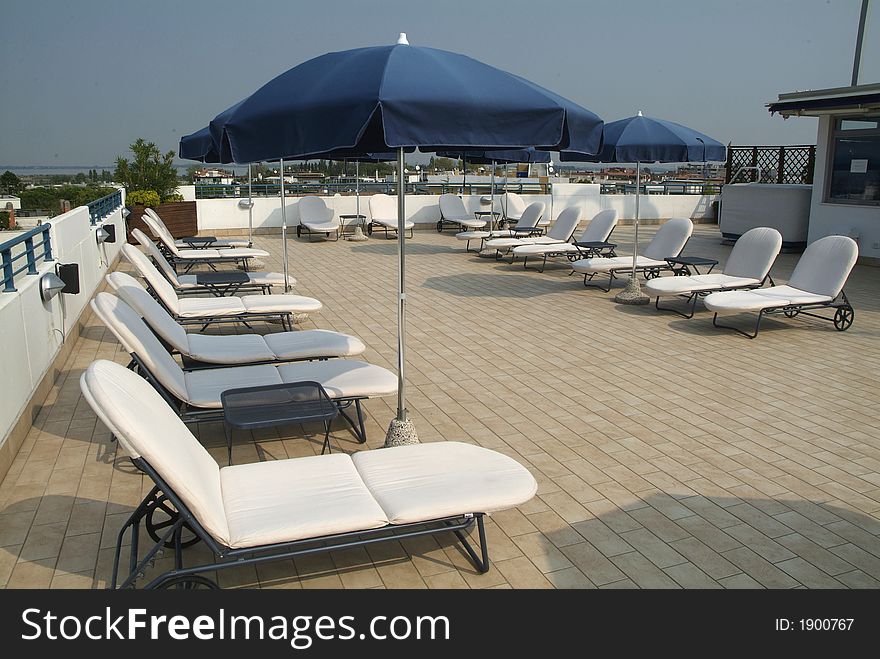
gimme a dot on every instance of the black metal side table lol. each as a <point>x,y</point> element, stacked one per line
<point>494,218</point>
<point>222,283</point>
<point>359,220</point>
<point>200,242</point>
<point>681,265</point>
<point>277,405</point>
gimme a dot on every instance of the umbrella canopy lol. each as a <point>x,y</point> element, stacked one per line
<point>199,146</point>
<point>386,97</point>
<point>646,139</point>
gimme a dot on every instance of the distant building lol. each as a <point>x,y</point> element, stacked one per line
<point>213,177</point>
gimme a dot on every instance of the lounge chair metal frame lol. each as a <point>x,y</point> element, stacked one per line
<point>648,272</point>
<point>843,316</point>
<point>583,252</point>
<point>168,533</point>
<point>387,229</point>
<point>190,414</point>
<point>301,227</point>
<point>691,298</point>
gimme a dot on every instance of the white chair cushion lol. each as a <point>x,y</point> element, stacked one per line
<point>538,249</point>
<point>732,302</point>
<point>197,254</point>
<point>147,427</point>
<point>430,481</point>
<point>599,264</point>
<point>220,243</point>
<point>470,223</point>
<point>510,243</point>
<point>229,348</point>
<point>754,253</point>
<point>270,279</point>
<point>343,378</point>
<point>670,238</point>
<point>600,227</point>
<point>793,295</point>
<point>136,296</point>
<point>206,307</point>
<point>154,278</point>
<point>286,500</point>
<point>313,343</point>
<point>203,388</point>
<point>409,224</point>
<point>321,227</point>
<point>825,265</point>
<point>664,286</point>
<point>472,235</point>
<point>280,304</point>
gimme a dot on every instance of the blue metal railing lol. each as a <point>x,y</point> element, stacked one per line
<point>101,208</point>
<point>327,188</point>
<point>31,255</point>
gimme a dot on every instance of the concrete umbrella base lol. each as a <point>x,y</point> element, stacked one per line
<point>357,236</point>
<point>401,433</point>
<point>632,294</point>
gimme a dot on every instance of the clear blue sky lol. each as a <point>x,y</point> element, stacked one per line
<point>81,80</point>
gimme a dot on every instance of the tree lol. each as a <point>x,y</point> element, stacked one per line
<point>148,170</point>
<point>10,183</point>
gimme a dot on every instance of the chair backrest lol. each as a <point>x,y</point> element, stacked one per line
<point>670,239</point>
<point>531,215</point>
<point>383,207</point>
<point>564,226</point>
<point>753,254</point>
<point>452,207</point>
<point>825,265</point>
<point>157,256</point>
<point>313,209</point>
<point>158,228</point>
<point>600,227</point>
<point>512,205</point>
<point>136,296</point>
<point>147,428</point>
<point>136,338</point>
<point>154,278</point>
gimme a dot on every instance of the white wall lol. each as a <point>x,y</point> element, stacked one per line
<point>15,201</point>
<point>30,329</point>
<point>220,214</point>
<point>859,222</point>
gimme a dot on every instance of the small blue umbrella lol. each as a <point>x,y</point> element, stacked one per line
<point>395,98</point>
<point>641,139</point>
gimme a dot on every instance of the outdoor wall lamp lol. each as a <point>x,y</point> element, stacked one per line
<point>50,286</point>
<point>245,203</point>
<point>125,213</point>
<point>106,234</point>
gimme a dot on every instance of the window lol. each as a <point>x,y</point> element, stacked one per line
<point>855,161</point>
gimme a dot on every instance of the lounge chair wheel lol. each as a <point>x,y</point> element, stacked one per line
<point>162,515</point>
<point>189,582</point>
<point>299,230</point>
<point>439,226</point>
<point>843,318</point>
<point>791,313</point>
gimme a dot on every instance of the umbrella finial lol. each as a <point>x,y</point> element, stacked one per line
<point>401,40</point>
<point>640,113</point>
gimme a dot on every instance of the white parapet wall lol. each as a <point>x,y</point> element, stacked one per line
<point>229,215</point>
<point>32,332</point>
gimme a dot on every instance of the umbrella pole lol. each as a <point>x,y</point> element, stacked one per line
<point>492,196</point>
<point>284,229</point>
<point>250,206</point>
<point>401,430</point>
<point>357,188</point>
<point>632,294</point>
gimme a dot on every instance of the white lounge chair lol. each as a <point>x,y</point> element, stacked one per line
<point>383,212</point>
<point>274,510</point>
<point>454,214</point>
<point>205,311</point>
<point>226,349</point>
<point>817,282</point>
<point>522,235</point>
<point>189,284</point>
<point>591,242</point>
<point>512,208</point>
<point>195,394</point>
<point>668,242</point>
<point>189,258</point>
<point>748,266</point>
<point>315,217</point>
<point>526,225</point>
<point>200,242</point>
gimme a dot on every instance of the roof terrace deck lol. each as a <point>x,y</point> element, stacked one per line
<point>668,453</point>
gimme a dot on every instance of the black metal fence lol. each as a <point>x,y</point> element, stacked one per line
<point>771,164</point>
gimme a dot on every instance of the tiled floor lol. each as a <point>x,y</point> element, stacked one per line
<point>669,454</point>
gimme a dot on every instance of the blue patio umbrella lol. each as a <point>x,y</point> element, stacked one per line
<point>641,139</point>
<point>396,98</point>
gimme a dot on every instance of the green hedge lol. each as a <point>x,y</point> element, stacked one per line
<point>49,199</point>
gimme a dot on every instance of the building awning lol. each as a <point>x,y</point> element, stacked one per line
<point>855,99</point>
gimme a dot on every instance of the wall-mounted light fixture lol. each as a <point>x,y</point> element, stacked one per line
<point>245,203</point>
<point>50,286</point>
<point>101,235</point>
<point>106,234</point>
<point>125,213</point>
